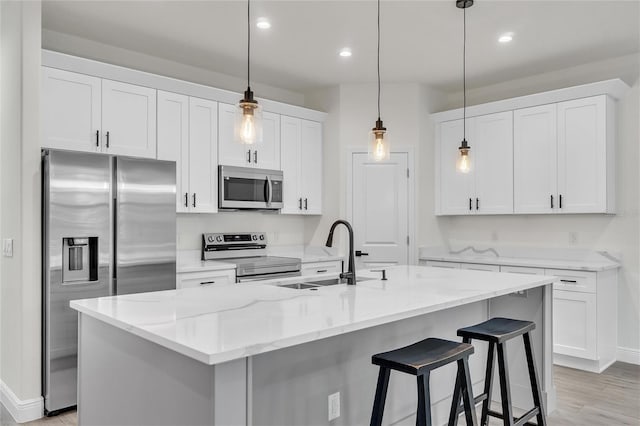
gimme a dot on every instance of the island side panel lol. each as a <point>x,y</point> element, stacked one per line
<point>126,380</point>
<point>291,386</point>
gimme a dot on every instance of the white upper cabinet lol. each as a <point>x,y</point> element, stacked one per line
<point>265,155</point>
<point>173,141</point>
<point>188,135</point>
<point>301,160</point>
<point>563,156</point>
<point>85,113</point>
<point>128,119</point>
<point>535,159</point>
<point>455,189</point>
<point>71,110</point>
<point>493,139</point>
<point>583,153</point>
<point>488,187</point>
<point>203,156</point>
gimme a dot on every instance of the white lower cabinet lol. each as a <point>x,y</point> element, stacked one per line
<point>208,278</point>
<point>574,324</point>
<point>314,268</point>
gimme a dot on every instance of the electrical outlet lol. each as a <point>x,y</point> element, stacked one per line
<point>7,247</point>
<point>334,406</point>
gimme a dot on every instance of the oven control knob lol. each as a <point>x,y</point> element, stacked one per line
<point>261,237</point>
<point>255,237</point>
<point>210,238</point>
<point>219,238</point>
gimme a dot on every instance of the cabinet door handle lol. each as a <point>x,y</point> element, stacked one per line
<point>186,199</point>
<point>569,281</point>
<point>299,203</point>
<point>194,199</point>
<point>97,137</point>
<point>560,201</point>
<point>320,271</point>
<point>551,200</point>
<point>107,139</point>
<point>361,253</point>
<point>207,282</point>
<point>305,204</point>
<point>470,208</point>
<point>248,156</point>
<point>255,157</point>
<point>477,203</point>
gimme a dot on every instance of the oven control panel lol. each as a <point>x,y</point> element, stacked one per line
<point>232,242</point>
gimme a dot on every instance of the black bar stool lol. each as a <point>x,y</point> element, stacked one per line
<point>419,359</point>
<point>497,331</point>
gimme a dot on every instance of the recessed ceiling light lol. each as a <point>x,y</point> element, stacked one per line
<point>263,23</point>
<point>345,52</point>
<point>505,38</point>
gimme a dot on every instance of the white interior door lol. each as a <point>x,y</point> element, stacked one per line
<point>380,210</point>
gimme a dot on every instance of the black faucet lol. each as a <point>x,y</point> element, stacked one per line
<point>350,275</point>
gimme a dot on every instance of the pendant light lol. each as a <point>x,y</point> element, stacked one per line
<point>464,162</point>
<point>248,117</point>
<point>379,147</point>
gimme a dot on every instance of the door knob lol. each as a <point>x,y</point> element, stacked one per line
<point>361,253</point>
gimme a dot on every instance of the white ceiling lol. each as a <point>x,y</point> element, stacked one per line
<point>421,40</point>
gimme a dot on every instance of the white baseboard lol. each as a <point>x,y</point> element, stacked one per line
<point>22,411</point>
<point>631,356</point>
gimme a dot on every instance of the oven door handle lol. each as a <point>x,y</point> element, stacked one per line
<point>269,188</point>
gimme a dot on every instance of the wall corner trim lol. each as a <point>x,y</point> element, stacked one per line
<point>22,411</point>
<point>628,355</point>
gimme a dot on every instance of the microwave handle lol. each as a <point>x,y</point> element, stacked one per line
<point>269,191</point>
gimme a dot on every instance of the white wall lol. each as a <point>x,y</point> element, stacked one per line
<point>619,233</point>
<point>352,112</point>
<point>20,197</point>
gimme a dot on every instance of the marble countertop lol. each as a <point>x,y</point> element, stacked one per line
<point>587,262</point>
<point>215,324</point>
<point>189,261</point>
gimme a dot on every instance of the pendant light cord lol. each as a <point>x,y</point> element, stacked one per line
<point>248,43</point>
<point>378,60</point>
<point>464,73</point>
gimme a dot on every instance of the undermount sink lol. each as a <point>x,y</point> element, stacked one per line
<point>310,285</point>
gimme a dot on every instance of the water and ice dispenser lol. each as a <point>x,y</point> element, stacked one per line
<point>79,259</point>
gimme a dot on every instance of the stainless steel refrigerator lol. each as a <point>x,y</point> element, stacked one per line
<point>108,227</point>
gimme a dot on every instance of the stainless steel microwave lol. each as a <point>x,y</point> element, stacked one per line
<point>248,188</point>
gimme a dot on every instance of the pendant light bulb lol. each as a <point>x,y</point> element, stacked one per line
<point>248,116</point>
<point>379,146</point>
<point>463,163</point>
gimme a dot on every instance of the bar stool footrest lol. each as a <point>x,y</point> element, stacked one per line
<point>477,400</point>
<point>520,421</point>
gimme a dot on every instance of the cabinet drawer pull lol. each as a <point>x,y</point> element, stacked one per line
<point>319,271</point>
<point>255,157</point>
<point>248,156</point>
<point>207,282</point>
<point>569,281</point>
<point>107,139</point>
<point>186,199</point>
<point>97,137</point>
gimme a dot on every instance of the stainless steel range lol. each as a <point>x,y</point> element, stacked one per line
<point>248,250</point>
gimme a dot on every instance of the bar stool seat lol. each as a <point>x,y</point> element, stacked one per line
<point>419,359</point>
<point>497,331</point>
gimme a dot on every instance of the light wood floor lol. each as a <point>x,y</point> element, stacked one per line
<point>586,399</point>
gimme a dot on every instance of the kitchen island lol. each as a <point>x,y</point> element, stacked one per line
<point>259,354</point>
